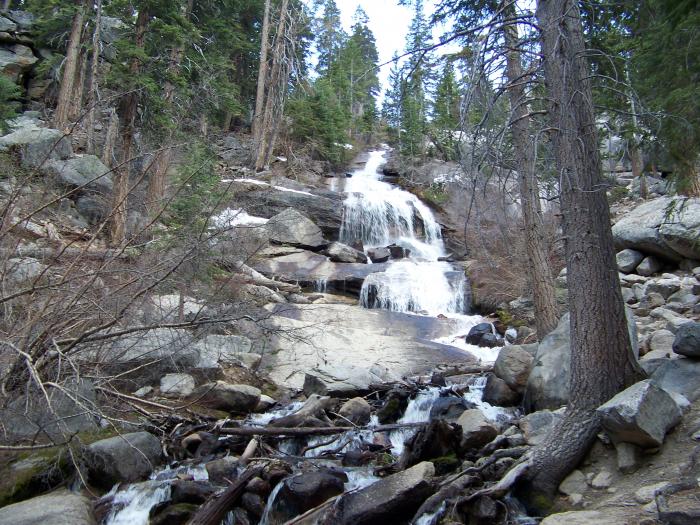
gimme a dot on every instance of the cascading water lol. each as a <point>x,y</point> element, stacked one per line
<point>381,215</point>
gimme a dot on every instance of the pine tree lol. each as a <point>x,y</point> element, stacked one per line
<point>446,112</point>
<point>330,36</point>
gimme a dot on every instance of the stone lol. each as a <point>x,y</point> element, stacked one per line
<point>379,255</point>
<point>399,252</point>
<point>220,395</point>
<point>513,366</point>
<point>7,25</point>
<point>477,431</point>
<point>449,408</point>
<point>498,393</point>
<point>265,403</point>
<point>666,227</point>
<point>602,480</point>
<point>574,483</point>
<point>537,425</point>
<point>291,227</point>
<point>649,266</point>
<point>123,458</point>
<point>22,271</point>
<point>673,320</point>
<point>356,410</point>
<point>177,514</point>
<point>628,296</point>
<point>223,350</point>
<point>640,414</point>
<point>85,173</point>
<point>680,376</point>
<point>36,145</point>
<point>687,341</point>
<point>679,504</point>
<point>490,341</point>
<point>16,60</point>
<point>646,493</point>
<point>664,287</point>
<point>177,385</point>
<point>661,340</point>
<point>477,332</point>
<point>339,252</point>
<point>627,260</point>
<point>581,517</point>
<point>94,208</point>
<point>23,19</point>
<point>627,457</point>
<point>305,491</point>
<point>57,508</point>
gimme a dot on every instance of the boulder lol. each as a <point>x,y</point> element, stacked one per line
<point>23,19</point>
<point>679,503</point>
<point>490,341</point>
<point>664,287</point>
<point>627,260</point>
<point>398,252</point>
<point>666,227</point>
<point>36,145</point>
<point>498,393</point>
<point>449,408</point>
<point>339,252</point>
<point>16,60</point>
<point>124,458</point>
<point>176,385</point>
<point>477,332</point>
<point>20,271</point>
<point>225,350</point>
<point>379,255</point>
<point>220,395</point>
<point>661,340</point>
<point>57,508</point>
<point>85,172</point>
<point>7,25</point>
<point>356,410</point>
<point>305,491</point>
<point>687,340</point>
<point>393,499</point>
<point>640,414</point>
<point>677,376</point>
<point>548,382</point>
<point>94,208</point>
<point>672,319</point>
<point>574,483</point>
<point>582,517</point>
<point>537,425</point>
<point>513,366</point>
<point>649,266</point>
<point>291,227</point>
<point>476,429</point>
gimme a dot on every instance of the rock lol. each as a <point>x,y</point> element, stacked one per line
<point>537,425</point>
<point>449,408</point>
<point>477,332</point>
<point>291,227</point>
<point>225,350</point>
<point>665,287</point>
<point>265,403</point>
<point>239,399</point>
<point>22,271</point>
<point>498,393</point>
<point>687,341</point>
<point>393,499</point>
<point>679,504</point>
<point>640,414</point>
<point>177,385</point>
<point>574,483</point>
<point>305,491</point>
<point>581,517</point>
<point>23,19</point>
<point>7,25</point>
<point>661,340</point>
<point>649,266</point>
<point>356,410</point>
<point>490,341</point>
<point>398,252</point>
<point>36,145</point>
<point>627,260</point>
<point>339,252</point>
<point>86,173</point>
<point>221,470</point>
<point>16,60</point>
<point>57,508</point>
<point>672,319</point>
<point>628,296</point>
<point>513,366</point>
<point>94,208</point>
<point>680,376</point>
<point>124,458</point>
<point>602,480</point>
<point>646,493</point>
<point>627,457</point>
<point>177,514</point>
<point>548,382</point>
<point>379,255</point>
<point>476,429</point>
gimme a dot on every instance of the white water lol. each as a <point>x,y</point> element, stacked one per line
<point>133,505</point>
<point>380,215</point>
<point>476,395</point>
<point>417,411</point>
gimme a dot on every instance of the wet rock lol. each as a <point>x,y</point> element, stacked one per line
<point>490,341</point>
<point>58,508</point>
<point>177,514</point>
<point>628,260</point>
<point>449,408</point>
<point>687,341</point>
<point>379,255</point>
<point>258,486</point>
<point>254,504</point>
<point>196,492</point>
<point>513,366</point>
<point>339,252</point>
<point>356,410</point>
<point>477,332</point>
<point>398,252</point>
<point>640,414</point>
<point>394,406</point>
<point>220,395</point>
<point>265,403</point>
<point>222,469</point>
<point>124,458</point>
<point>537,425</point>
<point>476,429</point>
<point>291,227</point>
<point>437,442</point>
<point>649,266</point>
<point>306,491</point>
<point>498,393</point>
<point>177,385</point>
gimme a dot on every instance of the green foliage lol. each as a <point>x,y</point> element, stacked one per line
<point>435,194</point>
<point>9,100</point>
<point>617,194</point>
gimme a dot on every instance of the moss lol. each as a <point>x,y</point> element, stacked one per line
<point>389,411</point>
<point>508,320</point>
<point>34,473</point>
<point>445,464</point>
<point>617,194</point>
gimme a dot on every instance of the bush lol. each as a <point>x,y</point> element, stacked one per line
<point>9,100</point>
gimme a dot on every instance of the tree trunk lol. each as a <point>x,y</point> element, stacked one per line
<point>79,86</point>
<point>214,511</point>
<point>92,78</point>
<point>602,362</point>
<point>262,73</point>
<point>70,65</point>
<point>128,118</point>
<point>110,139</point>
<point>540,274</point>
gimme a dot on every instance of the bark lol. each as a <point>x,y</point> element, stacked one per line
<point>110,138</point>
<point>539,272</point>
<point>128,118</point>
<point>602,362</point>
<point>262,72</point>
<point>79,87</point>
<point>92,97</point>
<point>70,66</point>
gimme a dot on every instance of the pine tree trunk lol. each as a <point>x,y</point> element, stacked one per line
<point>92,78</point>
<point>602,362</point>
<point>79,87</point>
<point>70,65</point>
<point>110,139</point>
<point>540,274</point>
<point>262,73</point>
<point>128,118</point>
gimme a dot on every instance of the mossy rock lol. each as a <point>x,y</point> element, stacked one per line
<point>33,474</point>
<point>445,464</point>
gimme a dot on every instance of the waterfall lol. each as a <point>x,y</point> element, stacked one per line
<point>381,215</point>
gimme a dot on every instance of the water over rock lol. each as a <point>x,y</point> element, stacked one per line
<point>127,457</point>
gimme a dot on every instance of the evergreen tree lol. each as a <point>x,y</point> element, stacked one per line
<point>446,111</point>
<point>330,36</point>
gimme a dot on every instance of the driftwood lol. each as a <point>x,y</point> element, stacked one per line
<point>214,511</point>
<point>310,431</point>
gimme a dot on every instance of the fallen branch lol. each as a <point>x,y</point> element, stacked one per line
<point>310,431</point>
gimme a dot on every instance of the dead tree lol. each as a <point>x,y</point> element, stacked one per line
<point>66,100</point>
<point>92,87</point>
<point>262,72</point>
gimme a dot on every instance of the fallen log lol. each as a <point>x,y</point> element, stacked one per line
<point>310,431</point>
<point>214,511</point>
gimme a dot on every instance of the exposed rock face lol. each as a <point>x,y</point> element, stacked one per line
<point>125,458</point>
<point>224,350</point>
<point>239,399</point>
<point>628,260</point>
<point>176,385</point>
<point>291,227</point>
<point>498,393</point>
<point>476,429</point>
<point>640,414</point>
<point>356,410</point>
<point>678,376</point>
<point>17,59</point>
<point>379,255</point>
<point>58,508</point>
<point>687,341</point>
<point>666,227</point>
<point>339,252</point>
<point>513,365</point>
<point>86,172</point>
<point>36,145</point>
